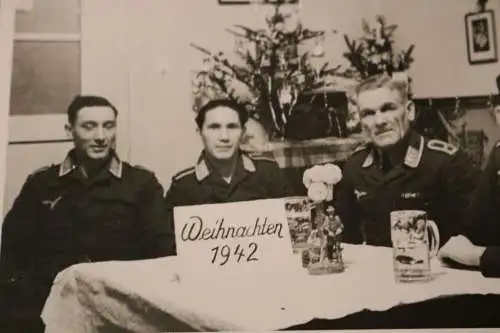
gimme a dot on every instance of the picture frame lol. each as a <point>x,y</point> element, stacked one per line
<point>248,2</point>
<point>481,37</point>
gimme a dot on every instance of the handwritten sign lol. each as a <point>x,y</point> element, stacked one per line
<point>233,241</point>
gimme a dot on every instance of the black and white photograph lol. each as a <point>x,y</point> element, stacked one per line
<point>481,39</point>
<point>242,166</point>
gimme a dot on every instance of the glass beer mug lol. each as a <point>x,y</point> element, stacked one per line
<point>415,241</point>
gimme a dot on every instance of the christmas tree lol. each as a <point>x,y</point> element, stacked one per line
<point>270,74</point>
<point>374,54</point>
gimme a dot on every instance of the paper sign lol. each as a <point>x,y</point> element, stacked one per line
<point>233,241</point>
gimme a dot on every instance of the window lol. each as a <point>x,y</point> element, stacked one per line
<point>47,58</point>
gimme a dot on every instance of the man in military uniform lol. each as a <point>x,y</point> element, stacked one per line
<point>91,207</point>
<point>223,172</point>
<point>479,243</point>
<point>399,169</point>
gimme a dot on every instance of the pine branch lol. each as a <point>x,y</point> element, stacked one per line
<point>224,62</point>
<point>253,35</point>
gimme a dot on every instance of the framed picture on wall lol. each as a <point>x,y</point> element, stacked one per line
<point>481,38</point>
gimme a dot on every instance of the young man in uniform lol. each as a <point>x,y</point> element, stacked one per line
<point>398,169</point>
<point>91,207</point>
<point>479,244</point>
<point>223,172</point>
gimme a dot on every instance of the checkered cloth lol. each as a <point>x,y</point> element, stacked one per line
<point>307,153</point>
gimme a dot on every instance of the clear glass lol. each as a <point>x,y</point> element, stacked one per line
<point>410,234</point>
<point>298,212</point>
<point>411,262</point>
<point>46,76</point>
<point>50,16</point>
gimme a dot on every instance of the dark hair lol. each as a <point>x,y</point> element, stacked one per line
<point>229,103</point>
<point>83,101</point>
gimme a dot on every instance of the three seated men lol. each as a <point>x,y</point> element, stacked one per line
<point>95,207</point>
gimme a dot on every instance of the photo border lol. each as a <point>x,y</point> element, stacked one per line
<point>476,57</point>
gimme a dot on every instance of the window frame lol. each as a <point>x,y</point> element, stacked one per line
<point>30,129</point>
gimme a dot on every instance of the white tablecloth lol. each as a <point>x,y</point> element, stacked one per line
<point>148,296</point>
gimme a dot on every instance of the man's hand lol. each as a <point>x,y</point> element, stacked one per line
<point>461,250</point>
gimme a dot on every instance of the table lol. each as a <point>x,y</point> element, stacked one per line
<point>149,296</point>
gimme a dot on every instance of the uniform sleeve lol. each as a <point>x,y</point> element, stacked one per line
<point>458,182</point>
<point>346,207</point>
<point>170,202</point>
<point>481,211</point>
<point>156,233</point>
<point>19,231</point>
<point>490,262</point>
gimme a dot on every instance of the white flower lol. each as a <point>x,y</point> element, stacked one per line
<point>318,192</point>
<point>332,174</point>
<point>311,175</point>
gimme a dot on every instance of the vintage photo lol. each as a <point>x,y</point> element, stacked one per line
<point>241,166</point>
<point>481,37</point>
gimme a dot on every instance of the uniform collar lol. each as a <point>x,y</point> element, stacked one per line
<point>115,166</point>
<point>202,169</point>
<point>413,152</point>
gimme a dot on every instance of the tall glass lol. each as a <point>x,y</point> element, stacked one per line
<point>415,241</point>
<point>298,210</point>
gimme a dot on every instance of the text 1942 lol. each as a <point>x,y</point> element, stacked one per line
<point>239,254</point>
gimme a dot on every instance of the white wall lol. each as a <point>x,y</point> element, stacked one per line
<point>437,28</point>
<point>7,15</point>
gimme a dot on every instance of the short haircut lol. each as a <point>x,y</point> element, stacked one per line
<point>83,101</point>
<point>228,103</point>
<point>383,81</point>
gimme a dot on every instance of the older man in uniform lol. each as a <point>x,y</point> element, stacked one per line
<point>478,245</point>
<point>223,172</point>
<point>91,207</point>
<point>399,169</point>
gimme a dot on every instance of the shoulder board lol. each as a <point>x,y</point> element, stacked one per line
<point>260,157</point>
<point>183,173</point>
<point>40,170</point>
<point>442,146</point>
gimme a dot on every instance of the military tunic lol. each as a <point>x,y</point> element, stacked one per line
<point>434,176</point>
<point>61,218</point>
<point>255,177</point>
<point>482,222</point>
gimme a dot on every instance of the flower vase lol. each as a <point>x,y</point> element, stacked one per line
<point>323,254</point>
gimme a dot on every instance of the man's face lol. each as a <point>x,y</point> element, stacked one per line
<point>94,131</point>
<point>384,116</point>
<point>221,133</point>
